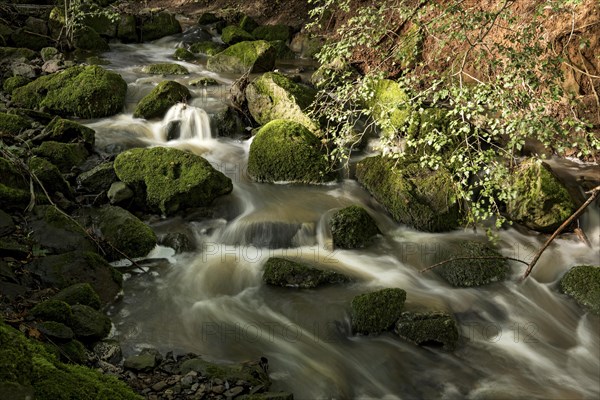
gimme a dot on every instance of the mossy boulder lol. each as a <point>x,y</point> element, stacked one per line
<point>12,124</point>
<point>145,361</point>
<point>272,32</point>
<point>288,273</point>
<point>207,47</point>
<point>413,195</point>
<point>247,23</point>
<point>287,151</point>
<point>10,84</point>
<point>479,264</point>
<point>204,81</point>
<point>165,95</point>
<point>73,352</point>
<point>388,104</point>
<point>101,24</point>
<point>53,310</point>
<point>282,51</point>
<point>542,202</point>
<point>252,56</point>
<point>352,228</point>
<point>98,179</point>
<point>88,39</point>
<point>125,232</point>
<point>127,29</point>
<point>79,293</point>
<point>165,69</point>
<point>234,34</point>
<point>228,123</point>
<point>159,25</point>
<point>428,328</point>
<point>275,96</point>
<point>183,54</point>
<point>376,312</point>
<point>305,44</point>
<point>67,131</point>
<point>169,180</point>
<point>55,330</point>
<point>14,188</point>
<point>89,324</point>
<point>80,91</point>
<point>583,284</point>
<point>49,176</point>
<point>17,53</point>
<point>251,372</point>
<point>64,155</point>
<point>24,38</point>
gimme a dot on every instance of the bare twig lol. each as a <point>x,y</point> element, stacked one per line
<point>471,258</point>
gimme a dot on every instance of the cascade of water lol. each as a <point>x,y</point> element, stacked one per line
<point>185,122</point>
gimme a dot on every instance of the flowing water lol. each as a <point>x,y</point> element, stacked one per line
<point>518,339</point>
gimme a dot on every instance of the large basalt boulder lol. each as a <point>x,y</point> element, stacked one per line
<point>169,180</point>
<point>165,95</point>
<point>428,328</point>
<point>81,91</point>
<point>352,228</point>
<point>583,284</point>
<point>254,56</point>
<point>475,264</point>
<point>542,202</point>
<point>288,273</point>
<point>376,312</point>
<point>159,25</point>
<point>413,195</point>
<point>275,96</point>
<point>234,34</point>
<point>287,151</point>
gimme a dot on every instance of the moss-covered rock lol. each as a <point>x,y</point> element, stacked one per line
<point>251,372</point>
<point>14,188</point>
<point>53,310</point>
<point>208,18</point>
<point>427,328</point>
<point>183,54</point>
<point>542,203</point>
<point>64,155</point>
<point>234,34</point>
<point>25,38</point>
<point>165,69</point>
<point>287,151</point>
<point>352,228</point>
<point>67,131</point>
<point>333,74</point>
<point>204,81</point>
<point>10,84</point>
<point>413,195</point>
<point>16,53</point>
<point>79,293</point>
<point>376,312</point>
<point>88,39</point>
<point>583,284</point>
<point>101,24</point>
<point>127,29</point>
<point>146,361</point>
<point>479,264</point>
<point>207,47</point>
<point>89,324</point>
<point>282,51</point>
<point>73,351</point>
<point>275,96</point>
<point>165,95</point>
<point>272,32</point>
<point>247,23</point>
<point>55,330</point>
<point>170,180</point>
<point>80,91</point>
<point>305,44</point>
<point>159,25</point>
<point>98,179</point>
<point>11,124</point>
<point>253,56</point>
<point>388,104</point>
<point>49,176</point>
<point>288,273</point>
<point>125,232</point>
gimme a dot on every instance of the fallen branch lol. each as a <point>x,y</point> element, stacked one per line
<point>594,194</point>
<point>471,258</point>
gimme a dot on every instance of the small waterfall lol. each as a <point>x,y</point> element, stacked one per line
<point>184,122</point>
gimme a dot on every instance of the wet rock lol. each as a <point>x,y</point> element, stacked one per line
<point>352,228</point>
<point>98,179</point>
<point>119,192</point>
<point>428,328</point>
<point>126,29</point>
<point>204,81</point>
<point>160,99</point>
<point>234,34</point>
<point>178,241</point>
<point>287,273</point>
<point>184,55</point>
<point>79,293</point>
<point>169,180</point>
<point>102,24</point>
<point>481,264</point>
<point>156,26</point>
<point>228,123</point>
<point>208,18</point>
<point>65,156</point>
<point>253,56</point>
<point>376,312</point>
<point>582,283</point>
<point>287,151</point>
<point>284,53</point>
<point>7,226</point>
<point>53,66</point>
<point>252,372</point>
<point>55,330</point>
<point>109,351</point>
<point>89,324</point>
<point>165,69</point>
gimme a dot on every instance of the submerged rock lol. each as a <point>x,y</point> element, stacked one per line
<point>251,56</point>
<point>583,284</point>
<point>184,55</point>
<point>165,95</point>
<point>376,312</point>
<point>169,180</point>
<point>287,151</point>
<point>352,228</point>
<point>428,328</point>
<point>288,273</point>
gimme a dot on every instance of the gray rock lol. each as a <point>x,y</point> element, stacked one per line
<point>119,192</point>
<point>21,69</point>
<point>52,66</point>
<point>108,351</point>
<point>99,178</point>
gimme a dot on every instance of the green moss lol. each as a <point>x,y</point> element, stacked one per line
<point>184,54</point>
<point>55,330</point>
<point>67,131</point>
<point>165,95</point>
<point>542,203</point>
<point>14,189</point>
<point>410,47</point>
<point>64,155</point>
<point>287,273</point>
<point>204,81</point>
<point>11,124</point>
<point>125,232</point>
<point>8,53</point>
<point>428,328</point>
<point>250,372</point>
<point>352,228</point>
<point>89,324</point>
<point>81,91</point>
<point>272,32</point>
<point>475,269</point>
<point>159,25</point>
<point>88,39</point>
<point>234,34</point>
<point>79,293</point>
<point>73,352</point>
<point>127,29</point>
<point>49,176</point>
<point>274,96</point>
<point>254,56</point>
<point>165,69</point>
<point>583,284</point>
<point>413,195</point>
<point>53,310</point>
<point>10,84</point>
<point>207,47</point>
<point>388,104</point>
<point>287,151</point>
<point>375,312</point>
<point>171,179</point>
